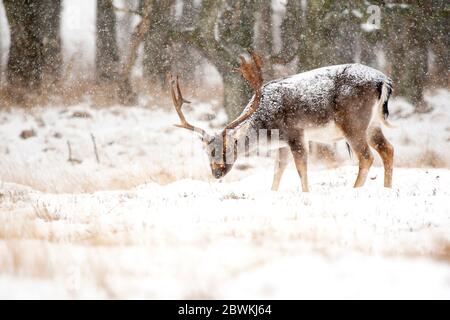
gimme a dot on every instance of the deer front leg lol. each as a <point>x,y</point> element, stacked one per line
<point>299,151</point>
<point>280,165</point>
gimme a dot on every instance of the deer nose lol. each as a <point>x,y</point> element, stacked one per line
<point>217,174</point>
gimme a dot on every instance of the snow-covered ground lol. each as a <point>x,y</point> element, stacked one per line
<point>147,221</point>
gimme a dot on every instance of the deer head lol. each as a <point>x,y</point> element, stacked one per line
<point>221,148</point>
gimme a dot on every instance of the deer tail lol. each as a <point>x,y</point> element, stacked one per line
<point>385,91</point>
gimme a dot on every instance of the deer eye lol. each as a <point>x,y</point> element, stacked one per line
<point>213,152</point>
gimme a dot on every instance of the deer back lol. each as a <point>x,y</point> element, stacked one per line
<point>318,97</point>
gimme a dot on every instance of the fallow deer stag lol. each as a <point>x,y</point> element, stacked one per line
<point>325,105</point>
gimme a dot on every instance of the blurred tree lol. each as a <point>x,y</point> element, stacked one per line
<point>320,33</point>
<point>291,33</point>
<point>157,44</point>
<point>127,95</point>
<point>1,53</point>
<point>224,30</point>
<point>106,55</point>
<point>406,45</point>
<point>264,37</point>
<point>439,31</point>
<point>315,48</point>
<point>235,27</point>
<point>35,52</point>
<point>370,36</point>
<point>182,51</point>
<point>125,19</point>
<point>50,39</point>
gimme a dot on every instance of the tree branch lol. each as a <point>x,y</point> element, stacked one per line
<point>126,93</point>
<point>203,38</point>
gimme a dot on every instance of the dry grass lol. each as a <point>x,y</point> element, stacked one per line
<point>114,241</point>
<point>445,254</point>
<point>431,159</point>
<point>40,253</point>
<point>80,181</point>
<point>442,251</point>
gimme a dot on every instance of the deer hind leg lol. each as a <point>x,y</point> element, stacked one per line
<point>378,141</point>
<point>280,165</point>
<point>299,151</point>
<point>361,149</point>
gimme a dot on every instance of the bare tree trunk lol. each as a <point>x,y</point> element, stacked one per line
<point>185,58</point>
<point>291,33</point>
<point>416,64</point>
<point>264,37</point>
<point>125,26</point>
<point>106,54</point>
<point>1,53</point>
<point>35,51</point>
<point>440,41</point>
<point>236,33</point>
<point>51,42</point>
<point>236,94</point>
<point>157,45</point>
<point>126,94</point>
<point>407,52</point>
<point>22,69</point>
<point>441,45</point>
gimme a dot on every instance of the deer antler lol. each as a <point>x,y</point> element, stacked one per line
<point>178,101</point>
<point>251,71</point>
